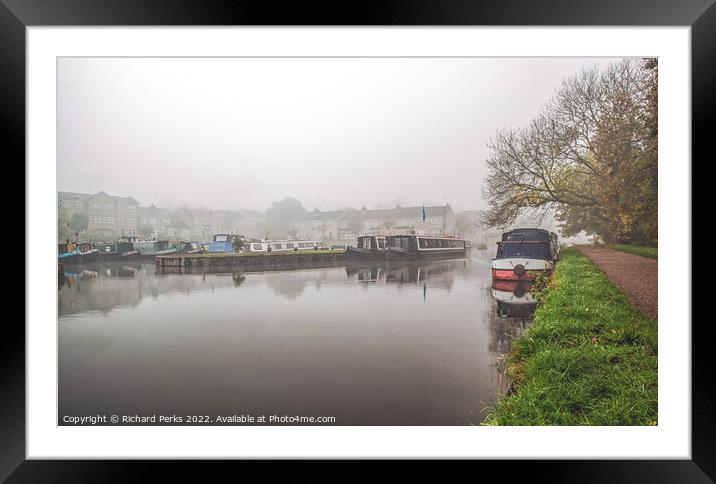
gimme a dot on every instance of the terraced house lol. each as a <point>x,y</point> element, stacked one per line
<point>346,225</point>
<point>108,217</point>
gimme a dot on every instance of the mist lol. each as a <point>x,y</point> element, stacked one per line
<point>239,133</point>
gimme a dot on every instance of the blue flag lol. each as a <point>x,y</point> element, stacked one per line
<point>424,213</point>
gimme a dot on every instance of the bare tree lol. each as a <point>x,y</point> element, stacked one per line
<point>578,155</point>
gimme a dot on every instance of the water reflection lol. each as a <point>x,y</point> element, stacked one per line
<point>434,274</point>
<point>104,287</point>
<point>514,310</point>
<point>514,298</point>
<point>375,344</point>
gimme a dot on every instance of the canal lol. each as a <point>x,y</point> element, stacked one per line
<point>371,344</point>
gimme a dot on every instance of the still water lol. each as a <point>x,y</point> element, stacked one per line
<point>410,344</point>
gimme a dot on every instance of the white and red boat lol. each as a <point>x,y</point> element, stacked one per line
<point>524,253</point>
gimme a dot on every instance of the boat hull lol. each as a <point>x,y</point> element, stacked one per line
<point>123,256</point>
<point>356,253</point>
<point>519,269</point>
<point>79,257</point>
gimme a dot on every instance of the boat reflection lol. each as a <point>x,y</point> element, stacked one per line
<point>514,298</point>
<point>434,274</point>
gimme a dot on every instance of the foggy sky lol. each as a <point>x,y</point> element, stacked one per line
<point>334,133</point>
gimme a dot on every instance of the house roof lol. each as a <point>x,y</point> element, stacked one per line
<point>67,195</point>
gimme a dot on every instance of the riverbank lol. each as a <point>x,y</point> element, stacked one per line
<point>650,252</point>
<point>589,358</point>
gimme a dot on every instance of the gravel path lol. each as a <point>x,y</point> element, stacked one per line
<point>635,275</point>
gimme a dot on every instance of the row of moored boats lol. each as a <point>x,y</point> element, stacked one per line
<point>131,248</point>
<point>521,254</point>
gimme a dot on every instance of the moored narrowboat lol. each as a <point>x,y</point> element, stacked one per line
<point>192,247</point>
<point>71,253</point>
<point>369,247</point>
<point>282,245</point>
<point>524,253</point>
<point>225,244</point>
<point>418,247</point>
<point>152,248</point>
<point>126,249</point>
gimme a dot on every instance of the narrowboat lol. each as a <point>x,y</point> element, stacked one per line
<point>282,245</point>
<point>524,253</point>
<point>151,248</point>
<point>122,250</point>
<point>71,253</point>
<point>107,250</point>
<point>192,247</point>
<point>369,247</point>
<point>225,244</point>
<point>418,247</point>
<point>126,249</point>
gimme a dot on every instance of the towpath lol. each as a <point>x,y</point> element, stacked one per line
<point>635,275</point>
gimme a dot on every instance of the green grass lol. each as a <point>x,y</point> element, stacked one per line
<point>651,252</point>
<point>589,358</point>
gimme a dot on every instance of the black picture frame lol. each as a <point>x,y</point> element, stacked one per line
<point>16,15</point>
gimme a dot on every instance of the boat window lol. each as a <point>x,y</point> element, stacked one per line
<point>381,243</point>
<point>290,245</point>
<point>277,246</point>
<point>221,238</point>
<point>534,235</point>
<point>401,242</point>
<point>256,246</point>
<point>527,250</point>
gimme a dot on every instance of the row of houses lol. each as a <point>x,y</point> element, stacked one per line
<point>109,217</point>
<point>347,225</point>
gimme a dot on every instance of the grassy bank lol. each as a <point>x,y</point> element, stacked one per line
<point>589,358</point>
<point>651,252</point>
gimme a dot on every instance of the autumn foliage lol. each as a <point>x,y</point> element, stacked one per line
<point>590,156</point>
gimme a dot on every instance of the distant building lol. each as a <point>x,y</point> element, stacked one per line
<point>127,216</point>
<point>153,221</point>
<point>108,216</point>
<point>347,225</point>
<point>202,223</point>
<point>72,202</point>
<point>249,223</point>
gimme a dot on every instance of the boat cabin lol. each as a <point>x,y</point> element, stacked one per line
<point>422,247</point>
<point>225,243</point>
<point>528,243</point>
<point>107,249</point>
<point>415,243</point>
<point>371,242</point>
<point>156,247</point>
<point>282,245</point>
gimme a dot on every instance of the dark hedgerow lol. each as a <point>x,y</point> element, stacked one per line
<point>590,358</point>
